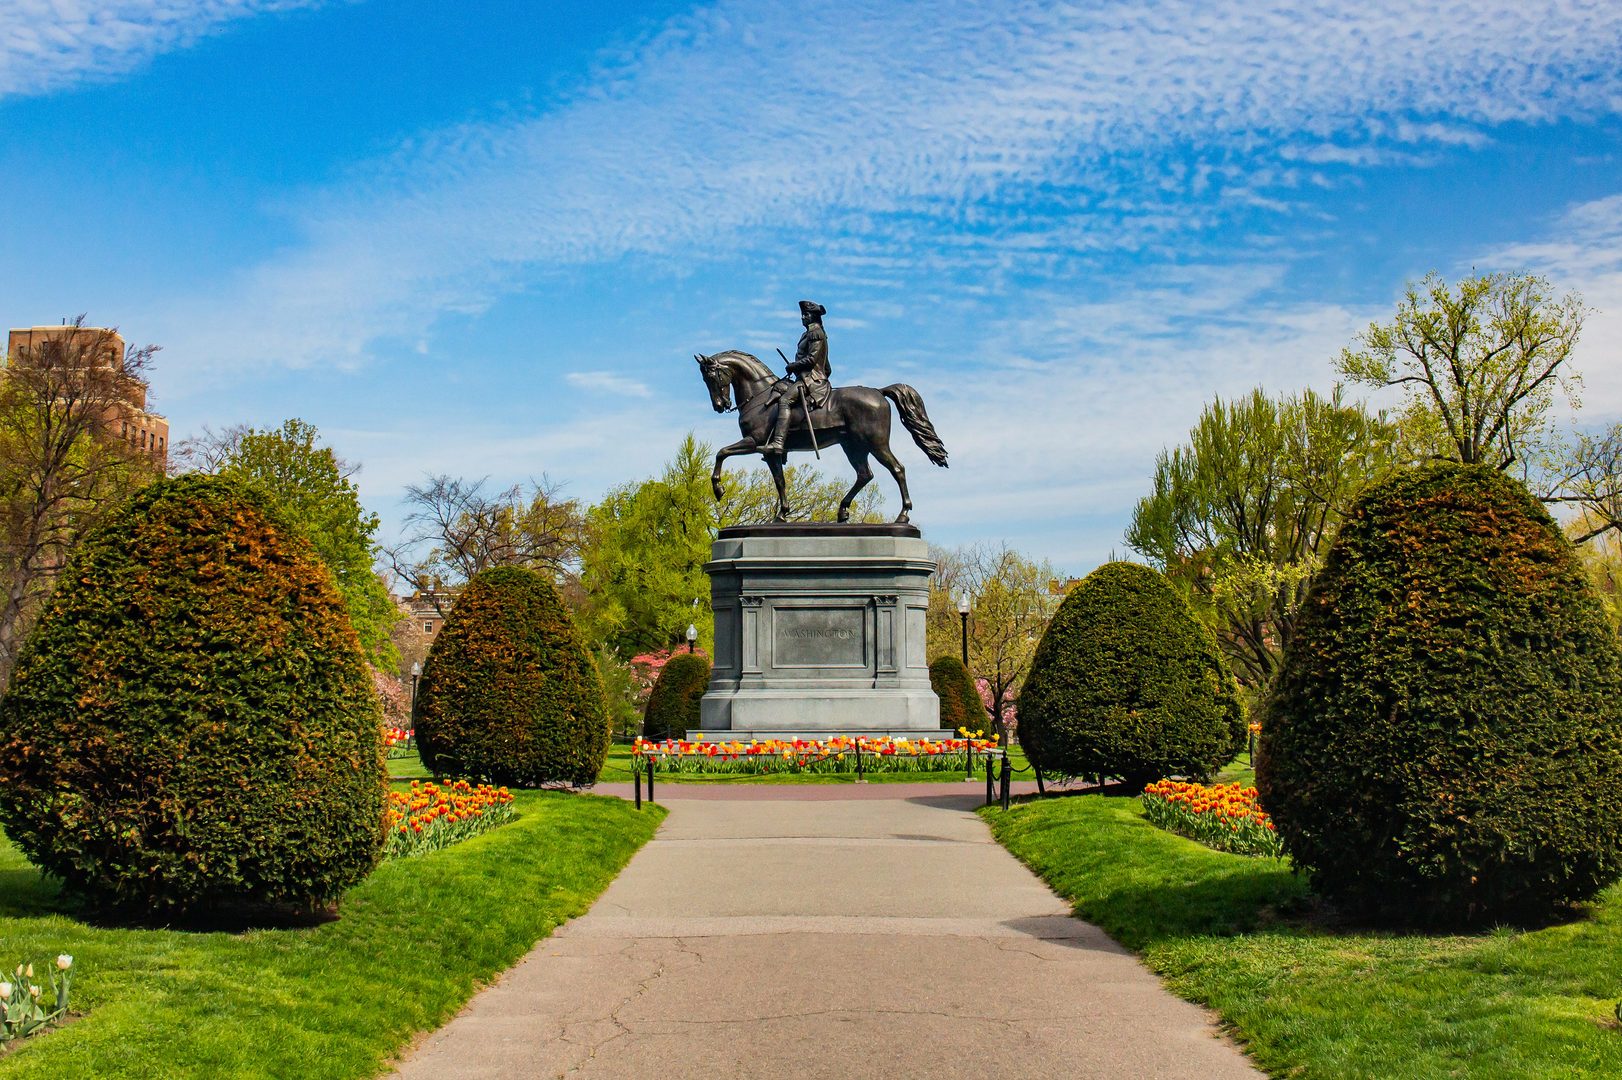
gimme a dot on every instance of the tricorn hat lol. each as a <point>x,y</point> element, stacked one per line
<point>812,309</point>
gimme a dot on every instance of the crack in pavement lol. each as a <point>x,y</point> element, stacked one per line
<point>642,987</point>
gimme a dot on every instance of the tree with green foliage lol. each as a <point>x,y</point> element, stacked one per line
<point>961,707</point>
<point>313,487</point>
<point>673,706</point>
<point>1444,742</point>
<point>642,563</point>
<point>192,722</point>
<point>510,693</point>
<point>1011,598</point>
<point>1589,478</point>
<point>1478,365</point>
<point>1127,682</point>
<point>1242,515</point>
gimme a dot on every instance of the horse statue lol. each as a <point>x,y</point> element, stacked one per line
<point>855,417</point>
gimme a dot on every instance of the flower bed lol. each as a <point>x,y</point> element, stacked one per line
<point>1225,816</point>
<point>399,742</point>
<point>22,1000</point>
<point>835,755</point>
<point>432,816</point>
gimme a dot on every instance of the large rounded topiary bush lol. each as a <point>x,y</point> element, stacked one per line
<point>961,706</point>
<point>191,721</point>
<point>672,709</point>
<point>1444,739</point>
<point>509,693</point>
<point>1126,682</point>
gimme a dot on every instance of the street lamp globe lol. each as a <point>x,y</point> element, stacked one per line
<point>692,636</point>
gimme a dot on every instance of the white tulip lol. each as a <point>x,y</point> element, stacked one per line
<point>5,990</point>
<point>64,962</point>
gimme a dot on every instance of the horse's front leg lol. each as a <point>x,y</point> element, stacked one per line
<point>744,445</point>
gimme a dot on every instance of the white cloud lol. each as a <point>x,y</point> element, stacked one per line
<point>911,139</point>
<point>47,45</point>
<point>607,382</point>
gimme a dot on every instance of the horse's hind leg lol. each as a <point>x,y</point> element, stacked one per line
<point>897,470</point>
<point>857,452</point>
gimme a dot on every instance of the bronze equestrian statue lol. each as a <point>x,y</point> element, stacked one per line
<point>802,412</point>
<point>810,364</point>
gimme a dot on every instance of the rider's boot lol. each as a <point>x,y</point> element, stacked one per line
<point>779,439</point>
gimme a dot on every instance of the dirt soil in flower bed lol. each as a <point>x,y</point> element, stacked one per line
<point>410,945</point>
<point>1311,996</point>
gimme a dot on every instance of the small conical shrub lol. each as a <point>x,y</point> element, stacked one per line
<point>509,694</point>
<point>1444,739</point>
<point>961,706</point>
<point>1127,683</point>
<point>192,722</point>
<point>672,709</point>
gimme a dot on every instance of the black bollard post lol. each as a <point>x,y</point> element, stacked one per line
<point>861,776</point>
<point>968,758</point>
<point>650,779</point>
<point>990,795</point>
<point>636,782</point>
<point>1007,780</point>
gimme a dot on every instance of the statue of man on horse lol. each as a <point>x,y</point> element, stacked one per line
<point>801,411</point>
<point>810,365</point>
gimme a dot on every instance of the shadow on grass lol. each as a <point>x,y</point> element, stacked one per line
<point>27,893</point>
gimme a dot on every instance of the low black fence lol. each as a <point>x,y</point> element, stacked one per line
<point>999,768</point>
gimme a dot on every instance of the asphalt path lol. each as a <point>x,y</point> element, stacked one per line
<point>865,931</point>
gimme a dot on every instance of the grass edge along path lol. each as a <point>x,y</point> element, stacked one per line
<point>1308,1000</point>
<point>412,945</point>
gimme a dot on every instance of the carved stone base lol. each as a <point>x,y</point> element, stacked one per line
<point>819,631</point>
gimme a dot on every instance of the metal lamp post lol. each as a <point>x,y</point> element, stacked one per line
<point>416,673</point>
<point>963,620</point>
<point>692,636</point>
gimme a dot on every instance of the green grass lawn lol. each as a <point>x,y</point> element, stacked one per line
<point>1313,1000</point>
<point>413,942</point>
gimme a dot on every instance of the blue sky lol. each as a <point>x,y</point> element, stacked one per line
<point>486,239</point>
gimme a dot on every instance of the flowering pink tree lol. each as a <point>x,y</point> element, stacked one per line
<point>647,667</point>
<point>395,697</point>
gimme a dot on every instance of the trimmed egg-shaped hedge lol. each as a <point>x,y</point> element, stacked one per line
<point>1126,682</point>
<point>1444,740</point>
<point>510,694</point>
<point>192,722</point>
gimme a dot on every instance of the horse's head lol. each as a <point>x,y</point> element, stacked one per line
<point>719,380</point>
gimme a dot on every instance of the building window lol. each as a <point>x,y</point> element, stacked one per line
<point>428,627</point>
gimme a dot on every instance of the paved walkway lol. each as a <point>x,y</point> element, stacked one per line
<point>788,936</point>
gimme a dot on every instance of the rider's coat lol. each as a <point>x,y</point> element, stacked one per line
<point>810,363</point>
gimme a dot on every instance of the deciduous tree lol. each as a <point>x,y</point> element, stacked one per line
<point>1479,365</point>
<point>458,528</point>
<point>62,468</point>
<point>1011,599</point>
<point>1242,514</point>
<point>646,544</point>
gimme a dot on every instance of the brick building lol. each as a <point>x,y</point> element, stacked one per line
<point>129,420</point>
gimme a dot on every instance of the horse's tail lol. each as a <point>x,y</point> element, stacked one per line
<point>916,421</point>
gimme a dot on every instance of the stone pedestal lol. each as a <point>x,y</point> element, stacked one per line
<point>819,631</point>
